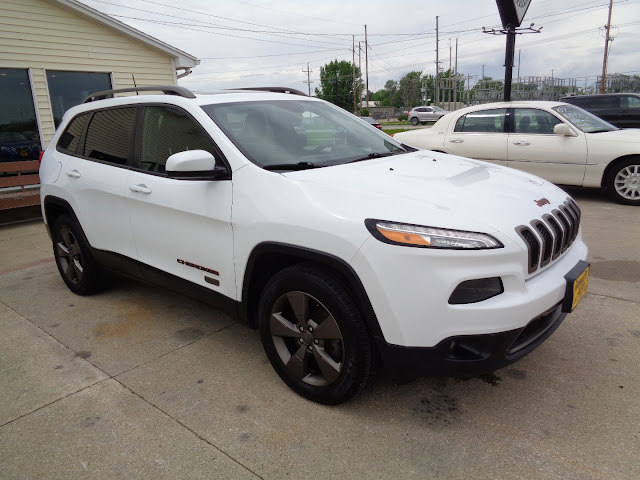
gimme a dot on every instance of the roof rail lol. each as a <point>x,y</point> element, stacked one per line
<point>291,91</point>
<point>166,89</point>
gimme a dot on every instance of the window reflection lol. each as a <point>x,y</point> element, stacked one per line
<point>68,89</point>
<point>19,138</point>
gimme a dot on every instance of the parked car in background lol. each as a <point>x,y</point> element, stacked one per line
<point>425,114</point>
<point>619,109</point>
<point>15,146</point>
<point>556,141</point>
<point>372,121</point>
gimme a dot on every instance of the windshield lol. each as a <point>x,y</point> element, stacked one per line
<point>585,121</point>
<point>299,133</point>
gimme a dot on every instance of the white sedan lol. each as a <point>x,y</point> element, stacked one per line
<point>556,141</point>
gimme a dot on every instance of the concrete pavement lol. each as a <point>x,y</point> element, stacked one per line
<point>138,382</point>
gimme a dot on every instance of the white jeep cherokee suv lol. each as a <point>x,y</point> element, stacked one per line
<point>344,247</point>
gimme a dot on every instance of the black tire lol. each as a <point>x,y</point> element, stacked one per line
<point>73,257</point>
<point>415,121</point>
<point>623,181</point>
<point>314,335</point>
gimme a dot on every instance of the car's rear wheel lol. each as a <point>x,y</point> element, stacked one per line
<point>73,257</point>
<point>415,121</point>
<point>623,182</point>
<point>314,335</point>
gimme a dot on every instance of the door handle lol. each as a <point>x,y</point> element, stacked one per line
<point>73,173</point>
<point>140,188</point>
<point>522,143</point>
<point>456,140</point>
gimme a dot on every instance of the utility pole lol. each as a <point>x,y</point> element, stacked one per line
<point>437,79</point>
<point>519,51</point>
<point>607,39</point>
<point>455,79</point>
<point>366,61</point>
<point>353,63</point>
<point>308,82</point>
<point>360,69</point>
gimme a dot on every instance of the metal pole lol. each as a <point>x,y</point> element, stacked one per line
<point>353,63</point>
<point>366,61</point>
<point>437,78</point>
<point>508,61</point>
<point>606,50</point>
<point>455,79</point>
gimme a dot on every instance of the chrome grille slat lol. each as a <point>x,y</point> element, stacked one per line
<point>548,238</point>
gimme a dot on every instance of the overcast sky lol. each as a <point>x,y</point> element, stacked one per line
<point>246,43</point>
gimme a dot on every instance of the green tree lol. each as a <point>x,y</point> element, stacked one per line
<point>409,89</point>
<point>336,83</point>
<point>388,96</point>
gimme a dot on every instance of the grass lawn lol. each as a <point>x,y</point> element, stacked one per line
<point>395,130</point>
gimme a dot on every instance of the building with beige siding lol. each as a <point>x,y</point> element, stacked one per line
<point>54,53</point>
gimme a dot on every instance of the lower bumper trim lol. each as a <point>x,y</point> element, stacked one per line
<point>469,354</point>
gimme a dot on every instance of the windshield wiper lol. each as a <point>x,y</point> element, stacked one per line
<point>602,130</point>
<point>376,155</point>
<point>291,166</point>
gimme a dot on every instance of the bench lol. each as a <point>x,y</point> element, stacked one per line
<point>18,184</point>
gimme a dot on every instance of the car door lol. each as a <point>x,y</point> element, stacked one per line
<point>534,148</point>
<point>479,134</point>
<point>96,148</point>
<point>182,227</point>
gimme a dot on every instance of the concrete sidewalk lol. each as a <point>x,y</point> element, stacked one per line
<point>138,382</point>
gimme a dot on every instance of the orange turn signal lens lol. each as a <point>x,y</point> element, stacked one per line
<point>403,237</point>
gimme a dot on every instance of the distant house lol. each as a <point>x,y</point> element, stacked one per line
<point>53,53</point>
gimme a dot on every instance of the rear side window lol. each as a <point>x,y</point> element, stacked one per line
<point>629,101</point>
<point>168,130</point>
<point>110,135</point>
<point>485,121</point>
<point>70,139</point>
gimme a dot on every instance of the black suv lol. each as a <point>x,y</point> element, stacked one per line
<point>619,109</point>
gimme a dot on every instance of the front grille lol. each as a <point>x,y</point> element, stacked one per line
<point>549,237</point>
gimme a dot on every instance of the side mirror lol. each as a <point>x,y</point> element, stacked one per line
<point>195,165</point>
<point>563,130</point>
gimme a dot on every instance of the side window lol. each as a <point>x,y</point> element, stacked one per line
<point>532,120</point>
<point>110,134</point>
<point>168,130</point>
<point>482,121</point>
<point>70,139</point>
<point>629,101</point>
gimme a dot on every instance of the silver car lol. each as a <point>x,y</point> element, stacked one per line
<point>425,114</point>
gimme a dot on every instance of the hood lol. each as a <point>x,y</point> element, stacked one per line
<point>433,189</point>
<point>627,135</point>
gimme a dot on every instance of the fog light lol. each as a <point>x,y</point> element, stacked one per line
<point>473,291</point>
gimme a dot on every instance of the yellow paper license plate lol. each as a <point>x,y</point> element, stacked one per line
<point>577,283</point>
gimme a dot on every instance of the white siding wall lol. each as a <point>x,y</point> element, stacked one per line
<point>43,36</point>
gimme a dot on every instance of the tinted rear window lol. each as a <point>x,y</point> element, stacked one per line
<point>70,139</point>
<point>110,135</point>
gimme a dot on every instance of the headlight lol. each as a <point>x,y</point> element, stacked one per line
<point>429,237</point>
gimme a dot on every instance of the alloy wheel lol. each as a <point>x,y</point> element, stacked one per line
<point>627,182</point>
<point>69,255</point>
<point>307,339</point>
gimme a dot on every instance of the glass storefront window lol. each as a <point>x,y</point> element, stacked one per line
<point>67,89</point>
<point>19,137</point>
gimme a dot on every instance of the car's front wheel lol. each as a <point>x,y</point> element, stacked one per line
<point>73,257</point>
<point>623,182</point>
<point>415,121</point>
<point>314,335</point>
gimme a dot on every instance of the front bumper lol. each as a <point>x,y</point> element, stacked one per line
<point>469,354</point>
